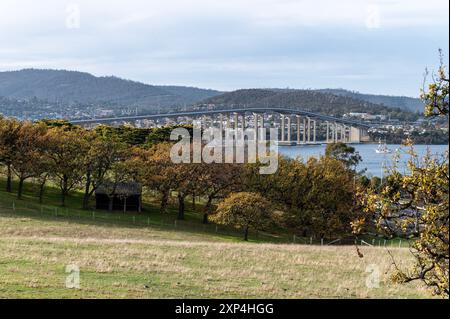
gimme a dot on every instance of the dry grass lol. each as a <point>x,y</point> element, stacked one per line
<point>149,263</point>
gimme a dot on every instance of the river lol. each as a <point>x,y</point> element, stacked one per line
<point>371,161</point>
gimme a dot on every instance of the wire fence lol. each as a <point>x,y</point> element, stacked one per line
<point>166,222</point>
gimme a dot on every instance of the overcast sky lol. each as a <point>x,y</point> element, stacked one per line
<point>373,46</point>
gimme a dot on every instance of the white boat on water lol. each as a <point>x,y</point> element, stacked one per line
<point>383,149</point>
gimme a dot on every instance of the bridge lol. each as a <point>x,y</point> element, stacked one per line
<point>296,127</point>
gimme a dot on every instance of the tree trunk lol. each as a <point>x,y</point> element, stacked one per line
<point>64,191</point>
<point>164,201</point>
<point>9,179</point>
<point>207,210</point>
<point>87,191</point>
<point>63,199</point>
<point>246,233</point>
<point>111,203</point>
<point>20,188</point>
<point>181,205</point>
<point>41,191</point>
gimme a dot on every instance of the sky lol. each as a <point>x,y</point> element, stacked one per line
<point>373,46</point>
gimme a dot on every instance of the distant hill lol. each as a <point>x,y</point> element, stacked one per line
<point>403,102</point>
<point>70,87</point>
<point>35,94</point>
<point>308,100</point>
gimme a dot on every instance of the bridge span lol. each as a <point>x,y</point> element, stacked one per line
<point>296,126</point>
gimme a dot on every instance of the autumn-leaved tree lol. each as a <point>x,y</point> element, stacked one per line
<point>244,211</point>
<point>416,204</point>
<point>28,153</point>
<point>101,155</point>
<point>316,196</point>
<point>436,96</point>
<point>9,132</point>
<point>66,150</point>
<point>216,181</point>
<point>157,171</point>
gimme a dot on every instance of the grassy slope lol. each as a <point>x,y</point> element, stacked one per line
<point>122,260</point>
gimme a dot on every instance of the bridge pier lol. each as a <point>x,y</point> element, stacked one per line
<point>327,139</point>
<point>314,131</point>
<point>289,129</point>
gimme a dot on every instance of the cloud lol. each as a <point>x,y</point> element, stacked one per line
<point>230,44</point>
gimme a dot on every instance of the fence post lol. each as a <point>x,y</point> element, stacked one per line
<point>217,229</point>
<point>400,244</point>
<point>385,243</point>
<point>310,241</point>
<point>294,238</point>
<point>373,242</point>
<point>175,223</point>
<point>321,242</point>
<point>14,206</point>
<point>93,215</point>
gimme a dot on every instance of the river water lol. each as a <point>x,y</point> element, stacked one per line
<point>371,161</point>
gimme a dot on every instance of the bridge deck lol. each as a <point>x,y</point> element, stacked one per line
<point>223,111</point>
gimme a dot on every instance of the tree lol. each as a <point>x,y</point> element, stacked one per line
<point>329,201</point>
<point>120,173</point>
<point>414,205</point>
<point>187,177</point>
<point>436,97</point>
<point>157,171</point>
<point>316,197</point>
<point>28,153</point>
<point>66,150</point>
<point>9,132</point>
<point>101,155</point>
<point>344,153</point>
<point>243,210</point>
<point>217,181</point>
<point>417,204</point>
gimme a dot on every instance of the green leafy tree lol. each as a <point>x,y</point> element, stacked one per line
<point>344,153</point>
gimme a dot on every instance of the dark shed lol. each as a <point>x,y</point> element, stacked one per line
<point>119,196</point>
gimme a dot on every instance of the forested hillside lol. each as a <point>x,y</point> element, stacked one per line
<point>403,102</point>
<point>68,87</point>
<point>308,100</point>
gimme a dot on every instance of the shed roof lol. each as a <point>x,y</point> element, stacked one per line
<point>127,189</point>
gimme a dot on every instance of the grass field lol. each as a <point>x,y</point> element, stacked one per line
<point>120,259</point>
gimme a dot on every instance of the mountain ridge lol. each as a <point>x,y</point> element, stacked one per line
<point>75,94</point>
